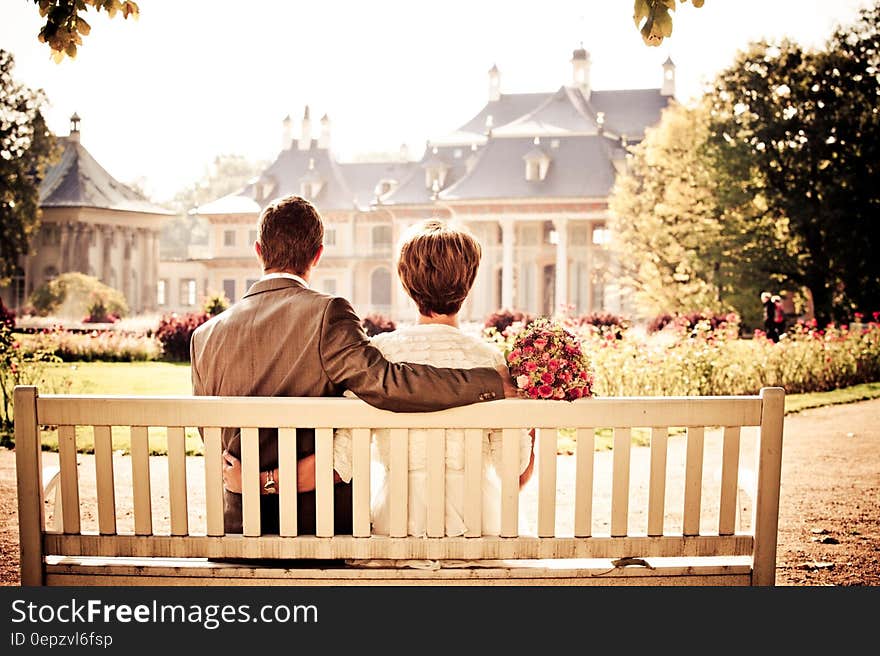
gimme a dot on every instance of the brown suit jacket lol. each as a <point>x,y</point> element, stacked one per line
<point>283,339</point>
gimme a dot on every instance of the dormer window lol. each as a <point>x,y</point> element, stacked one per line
<point>263,189</point>
<point>311,183</point>
<point>537,163</point>
<point>435,172</point>
<point>385,187</point>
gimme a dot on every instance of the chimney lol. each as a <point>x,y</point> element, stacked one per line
<point>286,133</point>
<point>494,84</point>
<point>580,69</point>
<point>305,133</point>
<point>74,127</point>
<point>668,88</point>
<point>324,139</point>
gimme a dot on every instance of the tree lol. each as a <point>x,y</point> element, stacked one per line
<point>65,25</point>
<point>227,174</point>
<point>654,20</point>
<point>26,151</point>
<point>682,251</point>
<point>800,132</point>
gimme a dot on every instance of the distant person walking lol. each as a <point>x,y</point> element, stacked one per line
<point>769,316</point>
<point>778,316</point>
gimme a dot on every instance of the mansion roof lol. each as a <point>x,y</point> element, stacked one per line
<point>77,180</point>
<point>578,135</point>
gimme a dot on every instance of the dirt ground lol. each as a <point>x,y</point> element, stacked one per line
<point>829,520</point>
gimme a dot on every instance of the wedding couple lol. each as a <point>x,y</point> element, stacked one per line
<point>284,339</point>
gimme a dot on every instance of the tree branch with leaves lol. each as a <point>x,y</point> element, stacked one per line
<point>653,18</point>
<point>65,26</point>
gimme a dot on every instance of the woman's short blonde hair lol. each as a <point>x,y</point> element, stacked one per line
<point>437,265</point>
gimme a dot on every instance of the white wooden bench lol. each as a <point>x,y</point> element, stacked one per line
<point>653,554</point>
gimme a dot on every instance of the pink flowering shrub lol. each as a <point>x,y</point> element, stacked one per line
<point>547,362</point>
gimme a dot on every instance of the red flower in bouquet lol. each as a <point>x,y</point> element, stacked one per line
<point>547,362</point>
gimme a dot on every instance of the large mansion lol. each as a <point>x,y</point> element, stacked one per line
<point>529,175</point>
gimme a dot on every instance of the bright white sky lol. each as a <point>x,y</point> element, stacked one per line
<point>161,96</point>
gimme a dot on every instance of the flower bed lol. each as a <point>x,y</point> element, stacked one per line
<point>104,345</point>
<point>701,361</point>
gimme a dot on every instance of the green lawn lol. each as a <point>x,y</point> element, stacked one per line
<point>161,378</point>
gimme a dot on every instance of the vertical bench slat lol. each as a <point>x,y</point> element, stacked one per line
<point>69,479</point>
<point>657,489</point>
<point>29,476</point>
<point>729,481</point>
<point>250,481</point>
<point>324,482</point>
<point>360,480</point>
<point>693,481</point>
<point>583,486</point>
<point>140,479</point>
<point>510,482</point>
<point>398,488</point>
<point>473,482</point>
<point>547,448</point>
<point>436,479</point>
<point>177,480</point>
<point>620,483</point>
<point>766,516</point>
<point>287,524</point>
<point>214,464</point>
<point>104,480</point>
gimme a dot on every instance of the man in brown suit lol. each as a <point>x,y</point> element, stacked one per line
<point>285,339</point>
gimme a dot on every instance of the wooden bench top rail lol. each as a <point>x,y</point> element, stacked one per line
<point>350,413</point>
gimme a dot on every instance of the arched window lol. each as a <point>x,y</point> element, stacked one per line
<point>380,289</point>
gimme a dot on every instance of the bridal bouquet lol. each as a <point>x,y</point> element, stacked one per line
<point>547,362</point>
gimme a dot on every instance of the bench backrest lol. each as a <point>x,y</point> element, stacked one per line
<point>580,419</point>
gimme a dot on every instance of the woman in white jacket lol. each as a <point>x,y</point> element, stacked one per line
<point>437,265</point>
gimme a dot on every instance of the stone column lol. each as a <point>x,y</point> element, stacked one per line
<point>126,264</point>
<point>508,241</point>
<point>63,247</point>
<point>155,277</point>
<point>561,226</point>
<point>106,233</point>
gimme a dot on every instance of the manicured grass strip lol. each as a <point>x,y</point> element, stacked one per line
<point>864,392</point>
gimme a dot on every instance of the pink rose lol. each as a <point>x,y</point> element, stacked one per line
<point>530,366</point>
<point>540,343</point>
<point>522,381</point>
<point>553,365</point>
<point>534,393</point>
<point>528,350</point>
<point>547,378</point>
<point>545,391</point>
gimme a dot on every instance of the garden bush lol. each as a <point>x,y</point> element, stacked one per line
<point>376,323</point>
<point>175,333</point>
<point>215,304</point>
<point>7,316</point>
<point>73,294</point>
<point>502,319</point>
<point>96,345</point>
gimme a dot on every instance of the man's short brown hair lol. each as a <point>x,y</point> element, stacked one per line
<point>437,266</point>
<point>291,233</point>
